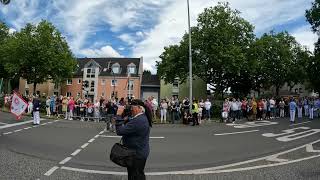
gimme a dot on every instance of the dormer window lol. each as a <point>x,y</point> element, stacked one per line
<point>131,69</point>
<point>116,68</point>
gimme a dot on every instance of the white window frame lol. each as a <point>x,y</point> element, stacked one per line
<point>130,83</point>
<point>114,82</point>
<point>133,68</point>
<point>79,81</point>
<point>69,82</point>
<point>116,67</point>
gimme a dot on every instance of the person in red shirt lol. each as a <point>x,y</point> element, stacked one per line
<point>260,109</point>
<point>244,107</point>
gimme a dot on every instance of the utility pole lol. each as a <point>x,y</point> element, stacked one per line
<point>190,58</point>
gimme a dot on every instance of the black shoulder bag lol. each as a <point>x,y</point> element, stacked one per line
<point>121,155</point>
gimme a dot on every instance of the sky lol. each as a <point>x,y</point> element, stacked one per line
<point>142,28</point>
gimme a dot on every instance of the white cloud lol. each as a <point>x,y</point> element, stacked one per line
<point>130,40</point>
<point>305,37</point>
<point>105,51</point>
<point>121,48</point>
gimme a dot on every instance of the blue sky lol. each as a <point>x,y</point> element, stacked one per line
<point>135,28</point>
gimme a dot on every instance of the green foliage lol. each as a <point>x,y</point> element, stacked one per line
<point>39,53</point>
<point>4,35</point>
<point>313,16</point>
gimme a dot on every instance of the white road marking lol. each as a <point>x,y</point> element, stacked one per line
<point>101,132</point>
<point>7,133</point>
<point>3,123</point>
<point>96,136</point>
<point>91,140</point>
<point>160,137</point>
<point>253,124</point>
<point>276,159</point>
<point>295,136</point>
<point>287,131</point>
<point>76,152</point>
<point>85,145</point>
<point>48,173</point>
<point>301,123</point>
<point>241,132</point>
<point>50,122</point>
<point>27,128</point>
<point>18,130</point>
<point>44,124</point>
<point>15,124</point>
<point>309,148</point>
<point>211,170</point>
<point>65,160</point>
<point>56,120</point>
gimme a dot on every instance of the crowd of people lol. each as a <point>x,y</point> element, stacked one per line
<point>270,108</point>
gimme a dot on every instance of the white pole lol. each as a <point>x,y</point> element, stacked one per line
<point>190,59</point>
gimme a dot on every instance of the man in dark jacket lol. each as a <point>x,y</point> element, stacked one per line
<point>36,111</point>
<point>135,135</point>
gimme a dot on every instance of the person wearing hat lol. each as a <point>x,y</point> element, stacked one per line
<point>135,135</point>
<point>36,111</point>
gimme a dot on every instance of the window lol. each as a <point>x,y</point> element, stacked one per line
<point>68,94</point>
<point>56,94</point>
<point>130,85</point>
<point>69,82</point>
<point>79,81</point>
<point>116,69</point>
<point>114,82</point>
<point>91,73</point>
<point>92,84</point>
<point>131,69</point>
<point>103,82</point>
<point>27,93</point>
<point>38,93</point>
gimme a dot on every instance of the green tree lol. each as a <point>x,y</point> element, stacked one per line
<point>274,57</point>
<point>313,69</point>
<point>220,42</point>
<point>39,53</point>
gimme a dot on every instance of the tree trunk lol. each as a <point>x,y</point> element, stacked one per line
<point>277,90</point>
<point>34,88</point>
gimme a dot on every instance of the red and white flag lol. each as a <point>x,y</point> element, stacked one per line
<point>18,106</point>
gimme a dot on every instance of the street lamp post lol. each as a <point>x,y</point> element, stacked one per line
<point>190,58</point>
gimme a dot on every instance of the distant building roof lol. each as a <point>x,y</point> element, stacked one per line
<point>150,81</point>
<point>106,64</point>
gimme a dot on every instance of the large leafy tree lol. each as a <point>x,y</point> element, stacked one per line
<point>220,43</point>
<point>313,69</point>
<point>274,57</point>
<point>4,34</point>
<point>39,53</point>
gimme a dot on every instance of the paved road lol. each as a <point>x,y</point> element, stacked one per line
<point>60,149</point>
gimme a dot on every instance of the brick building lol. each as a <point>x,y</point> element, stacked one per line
<point>107,77</point>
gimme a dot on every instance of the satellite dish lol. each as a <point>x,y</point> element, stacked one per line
<point>5,2</point>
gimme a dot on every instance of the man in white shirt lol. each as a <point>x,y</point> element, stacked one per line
<point>272,108</point>
<point>207,106</point>
<point>234,109</point>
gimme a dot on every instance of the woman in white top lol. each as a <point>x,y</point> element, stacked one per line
<point>97,110</point>
<point>163,109</point>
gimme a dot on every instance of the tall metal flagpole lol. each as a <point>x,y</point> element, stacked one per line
<point>190,58</point>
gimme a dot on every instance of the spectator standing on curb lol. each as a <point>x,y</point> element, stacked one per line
<point>272,108</point>
<point>53,105</point>
<point>65,107</point>
<point>30,106</point>
<point>226,110</point>
<point>244,104</point>
<point>293,107</point>
<point>71,106</point>
<point>48,107</point>
<point>234,110</point>
<point>195,111</point>
<point>306,107</point>
<point>155,105</point>
<point>36,111</point>
<point>281,106</point>
<point>311,108</point>
<point>207,106</point>
<point>163,111</point>
<point>97,111</point>
<point>254,109</point>
<point>299,106</point>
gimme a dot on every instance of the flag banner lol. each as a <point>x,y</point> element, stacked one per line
<point>18,105</point>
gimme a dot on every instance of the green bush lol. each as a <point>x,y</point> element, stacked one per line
<point>1,101</point>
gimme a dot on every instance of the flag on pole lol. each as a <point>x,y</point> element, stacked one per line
<point>18,106</point>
